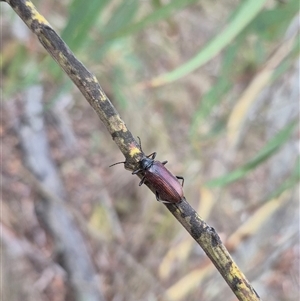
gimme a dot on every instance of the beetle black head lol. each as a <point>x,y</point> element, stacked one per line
<point>146,163</point>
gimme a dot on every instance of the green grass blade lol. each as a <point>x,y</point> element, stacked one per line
<point>215,95</point>
<point>247,11</point>
<point>82,17</point>
<point>272,23</point>
<point>289,183</point>
<point>160,13</point>
<point>122,16</point>
<point>272,146</point>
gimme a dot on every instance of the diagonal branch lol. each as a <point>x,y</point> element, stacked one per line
<point>204,235</point>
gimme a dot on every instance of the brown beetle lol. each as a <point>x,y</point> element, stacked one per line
<point>167,187</point>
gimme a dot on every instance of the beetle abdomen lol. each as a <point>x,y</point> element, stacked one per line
<point>164,182</point>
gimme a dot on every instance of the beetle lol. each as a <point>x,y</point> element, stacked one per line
<point>167,186</point>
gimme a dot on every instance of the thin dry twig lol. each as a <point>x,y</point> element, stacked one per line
<point>87,83</point>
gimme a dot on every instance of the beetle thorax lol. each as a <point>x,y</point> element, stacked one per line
<point>146,163</point>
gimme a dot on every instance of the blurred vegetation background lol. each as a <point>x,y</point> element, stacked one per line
<point>212,87</point>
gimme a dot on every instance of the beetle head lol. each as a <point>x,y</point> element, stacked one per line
<point>146,163</point>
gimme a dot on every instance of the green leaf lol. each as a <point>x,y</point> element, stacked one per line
<point>244,15</point>
<point>122,16</point>
<point>289,183</point>
<point>25,76</point>
<point>271,24</point>
<point>161,13</point>
<point>272,146</point>
<point>83,15</point>
<point>214,96</point>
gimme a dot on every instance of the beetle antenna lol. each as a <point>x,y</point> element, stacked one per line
<point>117,163</point>
<point>140,143</point>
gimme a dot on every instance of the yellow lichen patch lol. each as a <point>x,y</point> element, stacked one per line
<point>103,97</point>
<point>133,150</point>
<point>95,79</point>
<point>89,79</point>
<point>187,218</point>
<point>234,271</point>
<point>62,58</point>
<point>35,14</point>
<point>117,123</point>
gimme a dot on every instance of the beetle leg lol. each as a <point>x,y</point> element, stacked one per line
<point>161,201</point>
<point>137,171</point>
<point>180,178</point>
<point>142,181</point>
<point>164,162</point>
